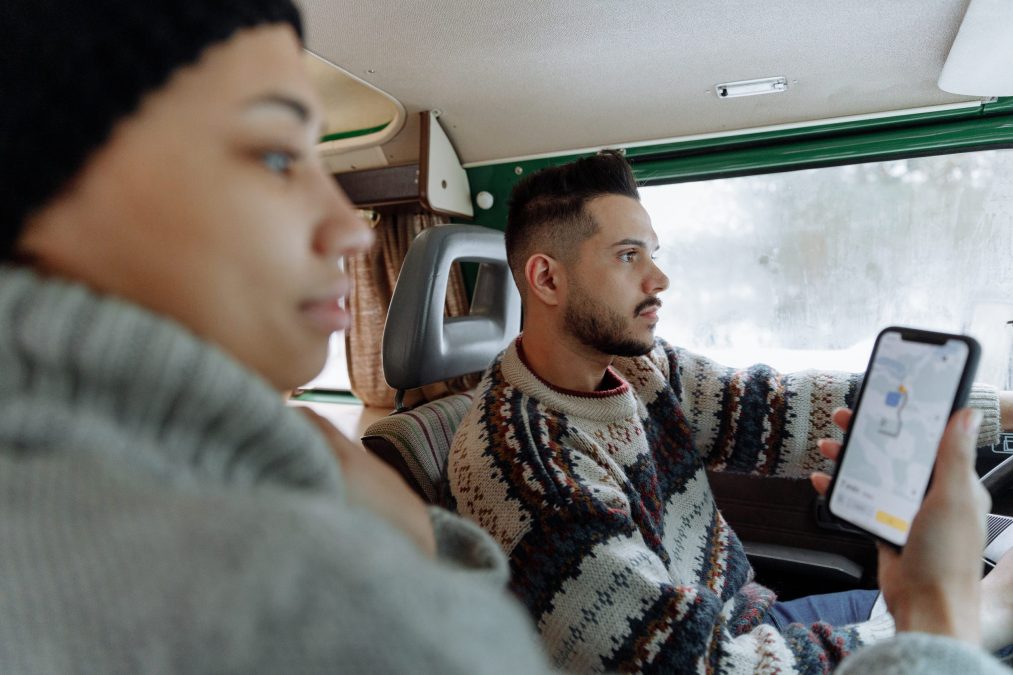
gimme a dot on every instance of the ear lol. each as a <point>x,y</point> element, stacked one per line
<point>545,279</point>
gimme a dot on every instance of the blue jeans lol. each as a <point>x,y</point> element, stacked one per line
<point>836,609</point>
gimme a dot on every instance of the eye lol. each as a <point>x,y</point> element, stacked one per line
<point>628,256</point>
<point>279,161</point>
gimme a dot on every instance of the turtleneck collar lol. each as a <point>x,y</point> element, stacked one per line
<point>85,372</point>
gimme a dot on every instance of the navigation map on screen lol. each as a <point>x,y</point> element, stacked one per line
<point>902,415</point>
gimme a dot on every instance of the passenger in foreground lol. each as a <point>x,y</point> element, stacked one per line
<point>586,448</point>
<point>170,247</point>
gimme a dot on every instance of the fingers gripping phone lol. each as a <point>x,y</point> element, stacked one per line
<point>916,379</point>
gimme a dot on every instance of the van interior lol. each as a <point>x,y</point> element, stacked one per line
<point>815,173</point>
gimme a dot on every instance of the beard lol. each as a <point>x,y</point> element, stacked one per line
<point>600,327</point>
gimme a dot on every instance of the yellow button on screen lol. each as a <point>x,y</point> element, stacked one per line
<point>891,521</point>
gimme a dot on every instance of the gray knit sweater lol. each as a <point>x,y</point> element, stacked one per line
<point>161,510</point>
<point>921,654</point>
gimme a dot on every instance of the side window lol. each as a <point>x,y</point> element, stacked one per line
<point>802,269</point>
<point>334,376</point>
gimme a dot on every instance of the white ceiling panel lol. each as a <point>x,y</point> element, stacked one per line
<point>524,78</point>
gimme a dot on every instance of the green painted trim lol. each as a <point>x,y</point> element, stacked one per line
<point>355,133</point>
<point>962,130</point>
<point>849,147</point>
<point>1002,105</point>
<point>499,180</point>
<point>815,131</point>
<point>327,396</point>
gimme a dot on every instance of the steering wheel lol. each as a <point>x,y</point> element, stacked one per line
<point>1000,478</point>
<point>997,481</point>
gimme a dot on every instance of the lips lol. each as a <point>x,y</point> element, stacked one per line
<point>326,315</point>
<point>648,308</point>
<point>325,312</point>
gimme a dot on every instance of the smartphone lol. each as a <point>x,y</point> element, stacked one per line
<point>915,381</point>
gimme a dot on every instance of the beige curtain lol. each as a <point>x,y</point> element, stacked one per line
<point>375,273</point>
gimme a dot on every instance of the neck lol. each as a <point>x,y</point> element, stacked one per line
<point>564,362</point>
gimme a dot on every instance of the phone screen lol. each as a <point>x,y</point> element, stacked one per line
<point>906,402</point>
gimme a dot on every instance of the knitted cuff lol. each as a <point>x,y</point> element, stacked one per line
<point>986,399</point>
<point>463,543</point>
<point>876,629</point>
<point>918,653</point>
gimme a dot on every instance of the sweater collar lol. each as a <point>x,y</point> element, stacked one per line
<point>616,404</point>
<point>611,384</point>
<point>81,371</point>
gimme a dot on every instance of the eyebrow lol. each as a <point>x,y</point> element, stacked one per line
<point>293,105</point>
<point>636,242</point>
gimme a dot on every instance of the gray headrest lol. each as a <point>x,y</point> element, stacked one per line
<point>420,346</point>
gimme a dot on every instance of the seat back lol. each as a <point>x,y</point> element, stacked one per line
<point>422,346</point>
<point>416,442</point>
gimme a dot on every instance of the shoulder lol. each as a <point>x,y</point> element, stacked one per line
<point>489,440</point>
<point>309,583</point>
<point>216,578</point>
<point>339,582</point>
<point>494,405</point>
<point>512,403</point>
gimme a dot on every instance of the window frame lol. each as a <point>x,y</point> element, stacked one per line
<point>988,126</point>
<point>892,136</point>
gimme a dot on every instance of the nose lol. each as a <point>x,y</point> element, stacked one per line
<point>656,281</point>
<point>340,231</point>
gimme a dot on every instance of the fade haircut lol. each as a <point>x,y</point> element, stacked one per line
<point>548,209</point>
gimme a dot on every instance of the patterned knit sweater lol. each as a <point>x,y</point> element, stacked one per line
<point>602,503</point>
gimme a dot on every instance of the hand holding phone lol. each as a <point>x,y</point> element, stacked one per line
<point>933,584</point>
<point>916,379</point>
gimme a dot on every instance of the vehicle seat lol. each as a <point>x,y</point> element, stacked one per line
<point>421,346</point>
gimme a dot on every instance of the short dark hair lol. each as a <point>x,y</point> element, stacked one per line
<point>548,208</point>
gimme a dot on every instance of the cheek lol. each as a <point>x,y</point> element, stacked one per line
<point>174,206</point>
<point>258,231</point>
<point>228,241</point>
<point>616,289</point>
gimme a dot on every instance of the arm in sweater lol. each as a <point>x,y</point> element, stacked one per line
<point>757,420</point>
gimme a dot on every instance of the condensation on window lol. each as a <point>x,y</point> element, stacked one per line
<point>802,269</point>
